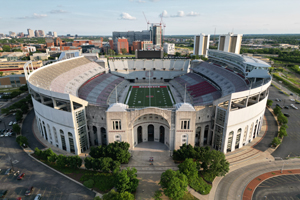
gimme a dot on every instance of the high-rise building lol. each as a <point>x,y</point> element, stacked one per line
<point>201,44</point>
<point>12,34</point>
<point>41,33</point>
<point>230,43</point>
<point>49,33</point>
<point>30,33</point>
<point>54,34</point>
<point>111,43</point>
<point>131,36</point>
<point>36,33</point>
<point>21,34</point>
<point>156,35</point>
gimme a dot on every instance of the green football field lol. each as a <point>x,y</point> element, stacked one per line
<point>138,96</point>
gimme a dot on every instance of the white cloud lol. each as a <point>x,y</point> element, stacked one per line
<point>154,0</point>
<point>164,14</point>
<point>179,14</point>
<point>34,16</point>
<point>58,11</point>
<point>126,16</point>
<point>141,1</point>
<point>192,14</point>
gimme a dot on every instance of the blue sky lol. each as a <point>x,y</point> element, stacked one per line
<point>189,17</point>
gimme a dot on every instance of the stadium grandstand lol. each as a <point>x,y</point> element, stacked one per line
<point>81,102</point>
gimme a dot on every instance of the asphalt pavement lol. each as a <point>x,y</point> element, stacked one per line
<point>28,132</point>
<point>266,141</point>
<point>45,181</point>
<point>290,144</point>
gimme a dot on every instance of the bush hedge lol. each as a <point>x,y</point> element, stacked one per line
<point>198,184</point>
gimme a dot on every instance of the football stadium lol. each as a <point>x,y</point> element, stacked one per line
<point>80,102</point>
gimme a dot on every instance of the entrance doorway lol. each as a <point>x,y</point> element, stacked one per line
<point>103,136</point>
<point>140,134</point>
<point>162,134</point>
<point>150,132</point>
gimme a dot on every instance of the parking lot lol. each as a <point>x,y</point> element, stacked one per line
<point>290,144</point>
<point>279,187</point>
<point>46,182</point>
<point>4,124</point>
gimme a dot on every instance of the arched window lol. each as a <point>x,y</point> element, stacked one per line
<point>63,141</point>
<point>245,135</point>
<point>229,143</point>
<point>103,135</point>
<point>251,130</point>
<point>71,141</point>
<point>238,138</point>
<point>140,134</point>
<point>96,141</point>
<point>198,136</point>
<point>162,134</point>
<point>46,135</point>
<point>206,134</point>
<point>55,134</point>
<point>49,130</point>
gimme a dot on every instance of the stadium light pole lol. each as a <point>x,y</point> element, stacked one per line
<point>149,91</point>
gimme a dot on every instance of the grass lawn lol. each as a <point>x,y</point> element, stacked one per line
<point>139,97</point>
<point>9,89</point>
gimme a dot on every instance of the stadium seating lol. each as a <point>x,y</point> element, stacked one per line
<point>226,79</point>
<point>99,89</point>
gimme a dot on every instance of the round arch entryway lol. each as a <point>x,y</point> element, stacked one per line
<point>151,131</point>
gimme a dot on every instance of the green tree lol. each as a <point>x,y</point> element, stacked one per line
<point>189,168</point>
<point>113,195</point>
<point>174,184</point>
<point>215,163</point>
<point>177,54</point>
<point>269,103</point>
<point>16,128</point>
<point>126,180</point>
<point>1,73</point>
<point>285,126</point>
<point>6,48</point>
<point>88,162</point>
<point>37,152</point>
<point>282,119</point>
<point>105,164</point>
<point>89,183</point>
<point>5,111</point>
<point>276,141</point>
<point>157,195</point>
<point>22,140</point>
<point>74,162</point>
<point>282,132</point>
<point>277,110</point>
<point>61,161</point>
<point>124,51</point>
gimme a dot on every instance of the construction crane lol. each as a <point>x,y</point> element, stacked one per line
<point>146,20</point>
<point>163,25</point>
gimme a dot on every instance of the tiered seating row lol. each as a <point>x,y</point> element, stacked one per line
<point>120,88</point>
<point>99,89</point>
<point>46,75</point>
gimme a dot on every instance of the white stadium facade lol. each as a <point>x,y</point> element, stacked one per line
<point>80,102</point>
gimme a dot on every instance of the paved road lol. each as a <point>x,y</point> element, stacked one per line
<point>279,187</point>
<point>46,182</point>
<point>290,144</point>
<point>27,131</point>
<point>266,142</point>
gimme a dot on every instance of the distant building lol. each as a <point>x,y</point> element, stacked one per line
<point>111,43</point>
<point>142,45</point>
<point>12,34</point>
<point>230,43</point>
<point>15,56</point>
<point>15,80</point>
<point>122,43</point>
<point>201,44</point>
<point>29,49</point>
<point>50,33</point>
<point>36,33</point>
<point>41,33</point>
<point>21,34</point>
<point>30,33</point>
<point>54,34</point>
<point>131,36</point>
<point>77,43</point>
<point>169,48</point>
<point>156,35</point>
<point>16,67</point>
<point>40,56</point>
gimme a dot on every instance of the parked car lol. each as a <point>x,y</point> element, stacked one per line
<point>14,122</point>
<point>297,102</point>
<point>3,193</point>
<point>292,100</point>
<point>292,94</point>
<point>286,107</point>
<point>280,92</point>
<point>10,123</point>
<point>38,197</point>
<point>21,176</point>
<point>287,115</point>
<point>279,105</point>
<point>29,191</point>
<point>8,171</point>
<point>277,99</point>
<point>19,198</point>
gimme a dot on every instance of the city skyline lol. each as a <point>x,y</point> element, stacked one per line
<point>181,18</point>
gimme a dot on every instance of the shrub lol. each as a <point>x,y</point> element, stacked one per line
<point>198,184</point>
<point>210,177</point>
<point>189,168</point>
<point>89,183</point>
<point>282,132</point>
<point>277,110</point>
<point>157,195</point>
<point>276,141</point>
<point>22,140</point>
<point>126,180</point>
<point>269,103</point>
<point>37,152</point>
<point>282,119</point>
